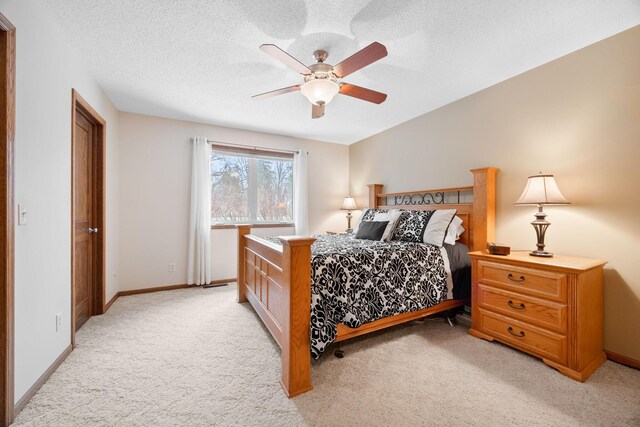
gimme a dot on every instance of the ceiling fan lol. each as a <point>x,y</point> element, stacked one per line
<point>321,80</point>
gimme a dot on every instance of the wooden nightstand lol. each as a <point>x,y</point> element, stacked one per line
<point>551,308</point>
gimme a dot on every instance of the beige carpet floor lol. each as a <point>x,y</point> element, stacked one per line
<point>195,357</point>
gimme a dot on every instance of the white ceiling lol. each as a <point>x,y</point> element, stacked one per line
<point>199,60</point>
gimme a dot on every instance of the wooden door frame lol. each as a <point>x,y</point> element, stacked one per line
<point>98,305</point>
<point>7,243</point>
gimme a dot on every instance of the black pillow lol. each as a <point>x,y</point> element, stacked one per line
<point>371,230</point>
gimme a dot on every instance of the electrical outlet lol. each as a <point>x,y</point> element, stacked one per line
<point>172,267</point>
<point>58,321</point>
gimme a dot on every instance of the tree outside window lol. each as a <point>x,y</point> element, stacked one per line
<point>250,188</point>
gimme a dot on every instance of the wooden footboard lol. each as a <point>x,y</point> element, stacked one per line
<point>276,280</point>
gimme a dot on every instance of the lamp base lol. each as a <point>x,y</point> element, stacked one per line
<point>541,253</point>
<point>540,225</point>
<point>349,221</point>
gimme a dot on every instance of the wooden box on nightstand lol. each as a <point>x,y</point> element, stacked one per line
<point>551,308</point>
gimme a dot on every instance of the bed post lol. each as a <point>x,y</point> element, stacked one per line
<point>374,190</point>
<point>243,230</point>
<point>296,342</point>
<point>484,207</point>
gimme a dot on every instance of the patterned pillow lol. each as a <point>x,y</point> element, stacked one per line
<point>411,226</point>
<point>368,215</point>
<point>371,213</point>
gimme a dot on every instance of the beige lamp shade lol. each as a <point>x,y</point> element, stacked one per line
<point>542,190</point>
<point>349,204</point>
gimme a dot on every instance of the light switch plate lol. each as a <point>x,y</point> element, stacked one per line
<point>22,215</point>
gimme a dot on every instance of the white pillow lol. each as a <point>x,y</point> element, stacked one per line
<point>355,229</point>
<point>392,216</point>
<point>437,226</point>
<point>454,231</point>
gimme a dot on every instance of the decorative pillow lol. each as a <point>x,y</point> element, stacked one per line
<point>454,231</point>
<point>371,230</point>
<point>392,216</point>
<point>367,215</point>
<point>458,233</point>
<point>359,220</point>
<point>411,226</point>
<point>438,224</point>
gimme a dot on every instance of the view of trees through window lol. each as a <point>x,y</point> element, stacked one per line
<point>250,188</point>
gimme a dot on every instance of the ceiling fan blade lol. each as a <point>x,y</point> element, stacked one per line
<point>276,92</point>
<point>363,93</point>
<point>360,59</point>
<point>317,111</point>
<point>285,58</point>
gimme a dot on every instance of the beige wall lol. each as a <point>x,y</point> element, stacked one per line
<point>47,70</point>
<point>155,174</point>
<point>577,117</point>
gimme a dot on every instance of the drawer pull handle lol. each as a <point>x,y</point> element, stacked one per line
<point>516,307</point>
<point>520,335</point>
<point>513,279</point>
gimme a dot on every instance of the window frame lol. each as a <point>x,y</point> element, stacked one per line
<point>253,153</point>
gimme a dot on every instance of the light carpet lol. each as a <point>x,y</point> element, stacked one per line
<point>196,357</point>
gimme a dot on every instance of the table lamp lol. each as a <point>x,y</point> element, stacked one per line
<point>348,205</point>
<point>541,190</point>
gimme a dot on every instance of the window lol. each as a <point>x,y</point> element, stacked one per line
<point>251,186</point>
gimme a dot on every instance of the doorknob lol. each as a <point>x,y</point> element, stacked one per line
<point>92,230</point>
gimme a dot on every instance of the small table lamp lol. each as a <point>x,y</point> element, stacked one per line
<point>349,204</point>
<point>541,190</point>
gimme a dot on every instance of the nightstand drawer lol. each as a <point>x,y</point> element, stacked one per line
<point>546,284</point>
<point>529,309</point>
<point>524,336</point>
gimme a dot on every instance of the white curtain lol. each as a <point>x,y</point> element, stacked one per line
<point>199,266</point>
<point>300,193</point>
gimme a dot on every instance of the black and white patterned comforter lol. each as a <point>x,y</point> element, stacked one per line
<point>357,281</point>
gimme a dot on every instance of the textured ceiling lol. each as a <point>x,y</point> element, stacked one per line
<point>199,60</point>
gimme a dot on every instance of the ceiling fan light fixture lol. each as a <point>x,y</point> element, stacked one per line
<point>322,80</point>
<point>320,91</point>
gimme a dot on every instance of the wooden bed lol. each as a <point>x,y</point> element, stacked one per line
<point>276,280</point>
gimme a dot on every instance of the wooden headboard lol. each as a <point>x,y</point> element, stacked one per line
<point>478,218</point>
